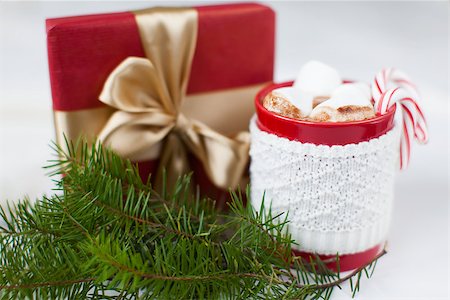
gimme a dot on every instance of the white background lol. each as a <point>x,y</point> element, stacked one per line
<point>358,38</point>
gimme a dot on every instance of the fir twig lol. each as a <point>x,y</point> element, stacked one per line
<point>107,234</point>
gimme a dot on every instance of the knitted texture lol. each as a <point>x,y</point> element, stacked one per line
<point>338,198</point>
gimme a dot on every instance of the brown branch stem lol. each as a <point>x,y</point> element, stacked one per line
<point>45,284</point>
<point>143,221</point>
<point>181,278</point>
<point>186,278</point>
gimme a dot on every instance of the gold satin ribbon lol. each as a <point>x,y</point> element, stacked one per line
<point>235,102</point>
<point>147,94</point>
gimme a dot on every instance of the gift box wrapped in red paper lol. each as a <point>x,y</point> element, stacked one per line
<point>168,88</point>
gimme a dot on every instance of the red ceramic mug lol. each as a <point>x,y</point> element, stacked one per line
<point>320,133</point>
<point>325,133</point>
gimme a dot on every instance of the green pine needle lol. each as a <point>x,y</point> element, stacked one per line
<point>106,234</point>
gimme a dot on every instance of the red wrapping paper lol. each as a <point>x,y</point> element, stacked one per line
<point>235,48</point>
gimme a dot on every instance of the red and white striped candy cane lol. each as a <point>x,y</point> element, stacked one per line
<point>391,87</point>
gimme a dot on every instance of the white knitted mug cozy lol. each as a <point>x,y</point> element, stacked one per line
<point>338,198</point>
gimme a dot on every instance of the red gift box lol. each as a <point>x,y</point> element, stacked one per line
<point>234,50</point>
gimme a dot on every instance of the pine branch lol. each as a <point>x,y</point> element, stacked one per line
<point>107,234</point>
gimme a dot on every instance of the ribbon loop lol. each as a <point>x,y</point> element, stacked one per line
<point>134,86</point>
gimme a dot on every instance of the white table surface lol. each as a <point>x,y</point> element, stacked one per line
<point>358,38</point>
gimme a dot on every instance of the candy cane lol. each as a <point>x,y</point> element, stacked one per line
<point>391,87</point>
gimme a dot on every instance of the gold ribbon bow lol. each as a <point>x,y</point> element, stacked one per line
<point>147,94</point>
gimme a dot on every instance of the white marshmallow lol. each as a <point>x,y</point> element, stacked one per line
<point>300,99</point>
<point>364,87</point>
<point>317,79</point>
<point>349,94</point>
<point>355,95</point>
